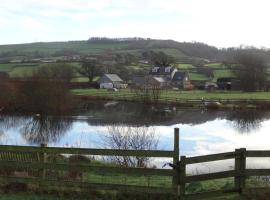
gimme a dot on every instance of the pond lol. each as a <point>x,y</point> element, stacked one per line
<point>201,131</point>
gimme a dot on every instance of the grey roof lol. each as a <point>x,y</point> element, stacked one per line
<point>140,80</point>
<point>159,79</point>
<point>179,76</point>
<point>144,80</point>
<point>113,77</point>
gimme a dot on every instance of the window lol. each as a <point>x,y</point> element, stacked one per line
<point>167,69</point>
<point>155,69</point>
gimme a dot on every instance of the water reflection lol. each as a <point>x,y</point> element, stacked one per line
<point>8,122</point>
<point>109,113</point>
<point>248,120</point>
<point>93,117</point>
<point>45,129</point>
<point>35,129</point>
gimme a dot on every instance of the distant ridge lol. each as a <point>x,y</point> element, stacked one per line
<point>182,51</point>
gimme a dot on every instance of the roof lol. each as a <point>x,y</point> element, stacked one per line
<point>210,84</point>
<point>145,80</point>
<point>166,70</point>
<point>139,80</point>
<point>159,79</point>
<point>179,76</point>
<point>113,77</point>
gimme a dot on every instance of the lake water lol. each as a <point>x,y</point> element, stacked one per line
<point>201,131</point>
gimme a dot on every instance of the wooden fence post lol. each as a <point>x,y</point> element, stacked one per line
<point>240,167</point>
<point>237,169</point>
<point>182,170</point>
<point>176,161</point>
<point>243,169</point>
<point>43,160</point>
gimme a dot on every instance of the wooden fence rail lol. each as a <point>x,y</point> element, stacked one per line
<point>44,170</point>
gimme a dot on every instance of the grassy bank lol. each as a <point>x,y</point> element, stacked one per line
<point>180,95</point>
<point>23,196</point>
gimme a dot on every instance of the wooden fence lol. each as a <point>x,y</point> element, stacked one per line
<point>43,169</point>
<point>39,165</point>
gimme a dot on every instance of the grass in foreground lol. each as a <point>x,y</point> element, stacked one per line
<point>23,196</point>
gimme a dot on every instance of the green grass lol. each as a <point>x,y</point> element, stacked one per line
<point>184,66</point>
<point>83,79</point>
<point>25,196</point>
<point>172,52</point>
<point>222,73</point>
<point>6,67</point>
<point>22,71</point>
<point>18,70</point>
<point>193,76</point>
<point>48,48</point>
<point>185,95</point>
<point>214,65</point>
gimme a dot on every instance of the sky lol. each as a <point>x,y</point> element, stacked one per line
<point>221,23</point>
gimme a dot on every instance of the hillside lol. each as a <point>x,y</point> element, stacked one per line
<point>182,52</point>
<point>201,61</point>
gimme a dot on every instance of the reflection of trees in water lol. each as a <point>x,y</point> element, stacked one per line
<point>248,120</point>
<point>8,122</point>
<point>128,113</point>
<point>1,134</point>
<point>36,130</point>
<point>43,129</point>
<point>130,138</point>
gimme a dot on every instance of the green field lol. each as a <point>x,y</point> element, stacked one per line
<point>185,95</point>
<point>54,49</point>
<point>26,69</point>
<point>184,66</point>
<point>214,65</point>
<point>29,196</point>
<point>221,73</point>
<point>194,76</point>
<point>49,48</point>
<point>18,70</point>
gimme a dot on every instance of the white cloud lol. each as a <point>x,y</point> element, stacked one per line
<point>221,23</point>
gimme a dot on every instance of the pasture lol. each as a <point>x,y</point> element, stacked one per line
<point>184,95</point>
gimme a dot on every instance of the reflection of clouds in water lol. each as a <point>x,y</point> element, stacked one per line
<point>247,121</point>
<point>81,135</point>
<point>228,139</point>
<point>256,163</point>
<point>11,137</point>
<point>208,138</point>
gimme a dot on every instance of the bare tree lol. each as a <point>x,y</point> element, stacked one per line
<point>148,92</point>
<point>155,93</point>
<point>251,71</point>
<point>131,138</point>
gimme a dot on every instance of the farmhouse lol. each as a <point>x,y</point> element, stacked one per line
<point>210,86</point>
<point>181,80</point>
<point>111,81</point>
<point>149,81</point>
<point>165,72</point>
<point>171,77</point>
